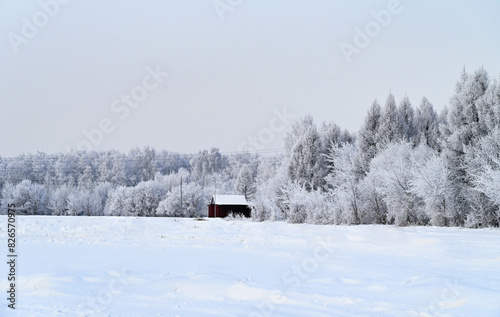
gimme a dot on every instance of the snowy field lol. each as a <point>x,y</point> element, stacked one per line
<point>107,266</point>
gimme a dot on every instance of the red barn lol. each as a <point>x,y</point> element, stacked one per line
<point>223,205</point>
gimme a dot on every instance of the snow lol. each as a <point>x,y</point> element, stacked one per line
<point>117,266</point>
<point>229,200</point>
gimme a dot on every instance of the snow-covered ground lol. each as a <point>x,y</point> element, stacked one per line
<point>108,266</point>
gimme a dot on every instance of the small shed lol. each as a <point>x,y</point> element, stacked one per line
<point>224,205</point>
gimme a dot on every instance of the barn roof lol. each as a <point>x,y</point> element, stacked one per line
<point>228,200</point>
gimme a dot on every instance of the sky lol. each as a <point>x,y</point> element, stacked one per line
<point>234,74</point>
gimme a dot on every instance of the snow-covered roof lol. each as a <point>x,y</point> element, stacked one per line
<point>229,200</point>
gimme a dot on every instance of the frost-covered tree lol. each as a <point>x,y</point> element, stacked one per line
<point>267,202</point>
<point>245,183</point>
<point>218,183</point>
<point>429,183</point>
<point>206,163</point>
<point>17,170</point>
<point>484,170</point>
<point>42,171</point>
<point>465,131</point>
<point>101,193</point>
<point>343,184</point>
<point>487,166</point>
<point>104,165</point>
<point>464,115</point>
<point>145,198</point>
<point>192,203</point>
<point>391,124</point>
<point>367,139</point>
<point>302,205</point>
<point>332,134</point>
<point>87,171</point>
<point>407,113</point>
<point>83,202</point>
<point>494,99</point>
<point>119,202</point>
<point>65,169</point>
<point>117,175</point>
<point>140,165</point>
<point>29,198</point>
<point>444,127</point>
<point>488,107</point>
<point>392,171</point>
<point>58,200</point>
<point>304,151</point>
<point>239,161</point>
<point>427,126</point>
<point>3,172</point>
<point>38,202</point>
<point>373,208</point>
<point>141,200</point>
<point>173,179</point>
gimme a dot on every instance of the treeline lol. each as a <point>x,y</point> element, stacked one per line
<point>84,169</point>
<point>141,183</point>
<point>407,165</point>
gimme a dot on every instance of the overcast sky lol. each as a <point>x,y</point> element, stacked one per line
<point>69,73</point>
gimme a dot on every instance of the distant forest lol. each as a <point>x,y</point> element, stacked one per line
<point>405,166</point>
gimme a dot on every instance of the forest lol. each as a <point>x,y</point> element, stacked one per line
<point>406,165</point>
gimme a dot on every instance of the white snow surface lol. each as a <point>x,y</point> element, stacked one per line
<point>229,200</point>
<point>117,266</point>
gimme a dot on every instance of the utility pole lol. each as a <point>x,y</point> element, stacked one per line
<point>215,198</point>
<point>182,213</point>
